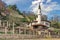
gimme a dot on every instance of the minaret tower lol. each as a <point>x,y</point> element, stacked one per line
<point>39,23</point>
<point>39,14</point>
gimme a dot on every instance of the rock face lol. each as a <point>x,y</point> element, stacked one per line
<point>3,9</point>
<point>2,4</point>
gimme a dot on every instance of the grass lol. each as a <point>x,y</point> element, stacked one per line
<point>2,32</point>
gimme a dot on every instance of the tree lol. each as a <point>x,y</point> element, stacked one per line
<point>44,17</point>
<point>14,7</point>
<point>55,21</point>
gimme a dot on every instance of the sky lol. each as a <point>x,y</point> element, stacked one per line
<point>48,7</point>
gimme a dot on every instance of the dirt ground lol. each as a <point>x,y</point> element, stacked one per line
<point>33,39</point>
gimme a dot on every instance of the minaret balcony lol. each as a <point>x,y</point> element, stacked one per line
<point>43,23</point>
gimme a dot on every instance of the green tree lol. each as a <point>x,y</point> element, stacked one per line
<point>55,21</point>
<point>14,7</point>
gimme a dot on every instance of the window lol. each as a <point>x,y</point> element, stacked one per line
<point>47,23</point>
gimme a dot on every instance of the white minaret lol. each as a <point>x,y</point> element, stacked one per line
<point>39,14</point>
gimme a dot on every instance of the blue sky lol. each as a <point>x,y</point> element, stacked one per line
<point>49,7</point>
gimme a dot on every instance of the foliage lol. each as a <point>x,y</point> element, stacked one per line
<point>14,7</point>
<point>24,20</point>
<point>55,22</point>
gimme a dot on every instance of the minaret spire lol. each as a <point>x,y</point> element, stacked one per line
<point>40,8</point>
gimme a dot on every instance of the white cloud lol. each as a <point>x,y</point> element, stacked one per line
<point>46,8</point>
<point>37,1</point>
<point>48,1</point>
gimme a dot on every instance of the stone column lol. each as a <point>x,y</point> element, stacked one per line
<point>5,30</point>
<point>9,24</point>
<point>19,30</point>
<point>49,34</point>
<point>25,30</point>
<point>0,22</point>
<point>6,27</point>
<point>13,28</point>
